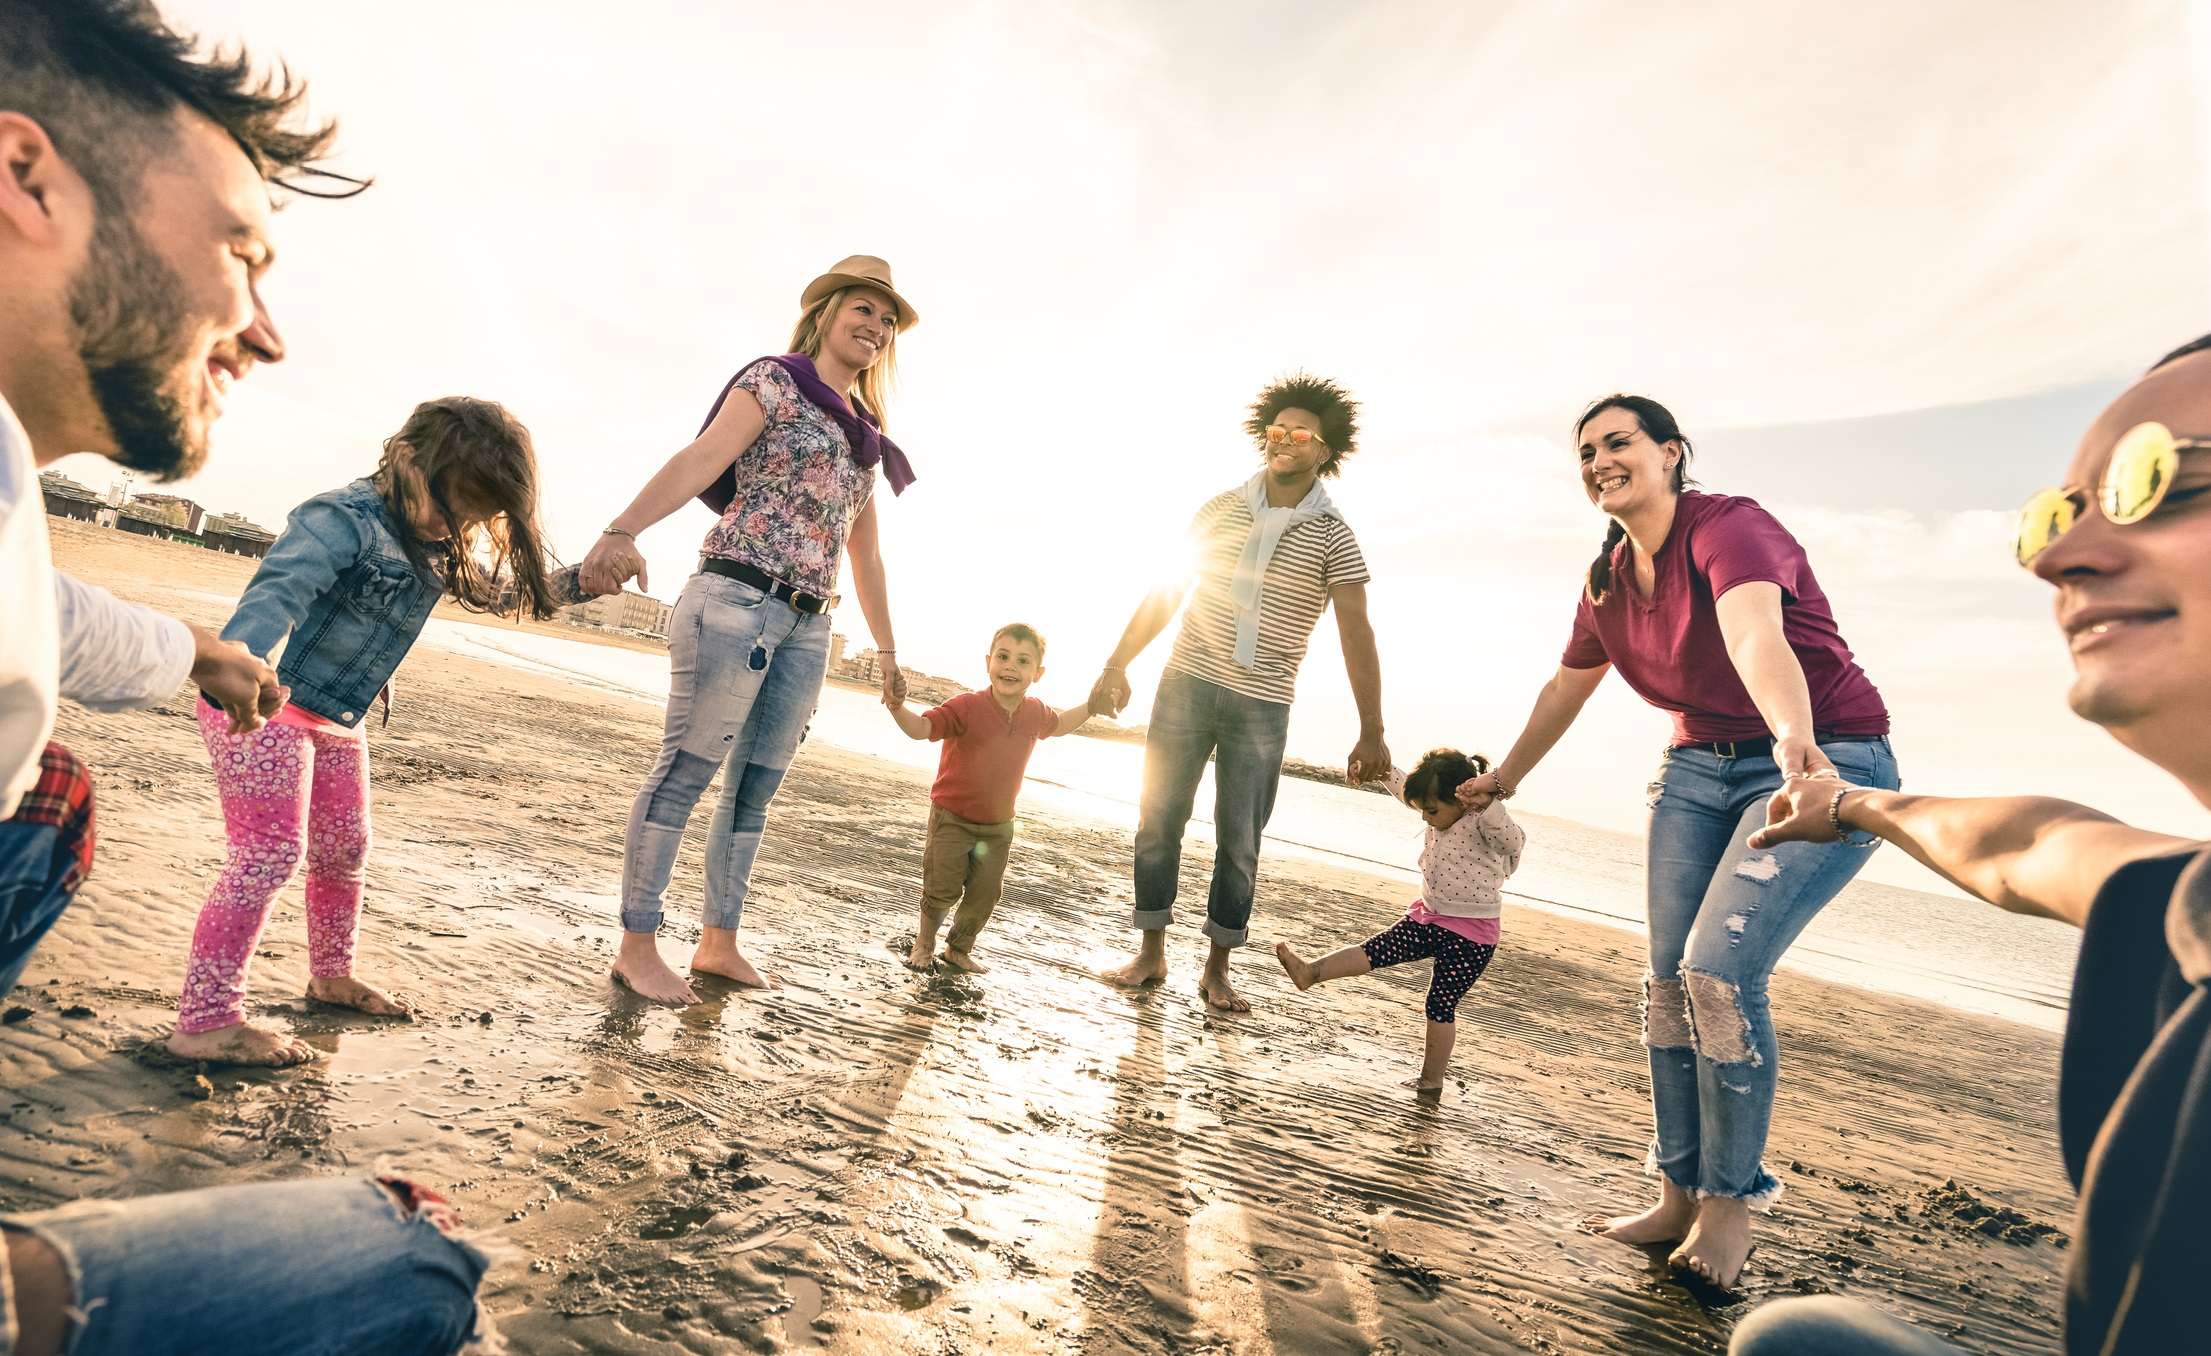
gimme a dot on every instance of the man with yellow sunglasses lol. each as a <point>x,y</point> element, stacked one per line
<point>2131,564</point>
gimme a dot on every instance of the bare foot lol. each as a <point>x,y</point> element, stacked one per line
<point>1666,1222</point>
<point>1299,969</point>
<point>1137,973</point>
<point>1217,991</point>
<point>922,957</point>
<point>732,965</point>
<point>1718,1243</point>
<point>965,962</point>
<point>1419,1084</point>
<point>241,1043</point>
<point>344,991</point>
<point>641,970</point>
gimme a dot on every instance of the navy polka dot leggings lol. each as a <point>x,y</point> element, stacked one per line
<point>1459,962</point>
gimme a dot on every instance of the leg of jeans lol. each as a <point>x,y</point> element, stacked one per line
<point>32,870</point>
<point>1177,744</point>
<point>332,1265</point>
<point>1755,906</point>
<point>712,636</point>
<point>796,663</point>
<point>337,851</point>
<point>1690,825</point>
<point>263,780</point>
<point>986,883</point>
<point>1828,1325</point>
<point>1247,771</point>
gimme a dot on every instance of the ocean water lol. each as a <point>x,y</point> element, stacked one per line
<point>1956,952</point>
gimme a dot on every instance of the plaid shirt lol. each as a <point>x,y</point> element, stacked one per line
<point>63,798</point>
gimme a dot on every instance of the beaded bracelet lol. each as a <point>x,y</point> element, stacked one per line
<point>1834,813</point>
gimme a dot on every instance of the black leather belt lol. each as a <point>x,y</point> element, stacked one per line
<point>799,599</point>
<point>1762,746</point>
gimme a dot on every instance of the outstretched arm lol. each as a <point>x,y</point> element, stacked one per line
<point>914,726</point>
<point>1072,718</point>
<point>1750,623</point>
<point>1556,706</point>
<point>2028,854</point>
<point>1362,663</point>
<point>614,558</point>
<point>1110,695</point>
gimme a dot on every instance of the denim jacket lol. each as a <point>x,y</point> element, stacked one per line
<point>337,583</point>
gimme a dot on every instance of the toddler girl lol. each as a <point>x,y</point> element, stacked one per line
<point>450,512</point>
<point>1463,864</point>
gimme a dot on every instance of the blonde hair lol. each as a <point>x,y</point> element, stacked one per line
<point>872,391</point>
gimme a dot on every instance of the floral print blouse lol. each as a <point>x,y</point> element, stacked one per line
<point>798,489</point>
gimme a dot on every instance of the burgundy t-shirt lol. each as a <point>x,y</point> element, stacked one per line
<point>1669,649</point>
<point>986,750</point>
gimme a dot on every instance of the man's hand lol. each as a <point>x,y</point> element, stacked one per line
<point>1799,811</point>
<point>237,681</point>
<point>612,562</point>
<point>894,685</point>
<point>1110,695</point>
<point>1369,761</point>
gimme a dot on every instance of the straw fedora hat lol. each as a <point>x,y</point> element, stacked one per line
<point>861,270</point>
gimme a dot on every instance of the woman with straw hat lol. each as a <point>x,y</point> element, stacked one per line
<point>787,457</point>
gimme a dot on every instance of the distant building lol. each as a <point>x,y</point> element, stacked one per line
<point>172,509</point>
<point>625,610</point>
<point>836,653</point>
<point>231,532</point>
<point>65,498</point>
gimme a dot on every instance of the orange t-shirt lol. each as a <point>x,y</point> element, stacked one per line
<point>986,751</point>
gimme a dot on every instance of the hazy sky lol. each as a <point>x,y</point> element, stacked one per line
<point>1884,259</point>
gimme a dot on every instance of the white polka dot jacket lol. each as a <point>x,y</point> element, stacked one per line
<point>1463,868</point>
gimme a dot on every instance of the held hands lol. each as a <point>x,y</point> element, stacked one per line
<point>1478,794</point>
<point>1800,756</point>
<point>1369,760</point>
<point>612,562</point>
<point>1805,810</point>
<point>1110,695</point>
<point>894,685</point>
<point>235,679</point>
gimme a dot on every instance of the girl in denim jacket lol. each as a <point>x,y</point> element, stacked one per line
<point>450,512</point>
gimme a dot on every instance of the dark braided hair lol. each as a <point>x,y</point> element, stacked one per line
<point>1657,423</point>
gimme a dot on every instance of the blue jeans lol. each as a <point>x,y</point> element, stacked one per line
<point>1721,914</point>
<point>746,674</point>
<point>31,897</point>
<point>331,1265</point>
<point>1193,720</point>
<point>1829,1326</point>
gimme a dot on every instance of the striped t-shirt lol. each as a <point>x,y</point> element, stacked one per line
<point>1312,558</point>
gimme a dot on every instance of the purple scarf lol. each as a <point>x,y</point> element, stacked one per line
<point>868,444</point>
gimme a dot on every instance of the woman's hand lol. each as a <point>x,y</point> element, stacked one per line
<point>1476,793</point>
<point>612,562</point>
<point>1800,756</point>
<point>894,685</point>
<point>1804,811</point>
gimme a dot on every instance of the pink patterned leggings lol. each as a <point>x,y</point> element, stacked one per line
<point>288,791</point>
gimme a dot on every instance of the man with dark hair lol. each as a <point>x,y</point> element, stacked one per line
<point>1270,557</point>
<point>2126,543</point>
<point>134,230</point>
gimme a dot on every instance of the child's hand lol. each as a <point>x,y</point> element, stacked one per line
<point>1477,793</point>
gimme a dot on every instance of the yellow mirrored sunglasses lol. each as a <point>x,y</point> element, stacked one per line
<point>2141,469</point>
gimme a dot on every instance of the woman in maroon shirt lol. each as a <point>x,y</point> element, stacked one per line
<point>1709,610</point>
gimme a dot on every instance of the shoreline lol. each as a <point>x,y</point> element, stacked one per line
<point>1028,1160</point>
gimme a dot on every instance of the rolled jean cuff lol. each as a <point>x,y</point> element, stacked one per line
<point>1224,936</point>
<point>1151,920</point>
<point>643,922</point>
<point>1765,1189</point>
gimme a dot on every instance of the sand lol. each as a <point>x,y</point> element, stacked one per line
<point>1022,1161</point>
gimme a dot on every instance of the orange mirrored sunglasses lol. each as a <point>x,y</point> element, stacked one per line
<point>1298,436</point>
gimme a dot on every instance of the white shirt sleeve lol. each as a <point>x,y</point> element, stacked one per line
<point>116,656</point>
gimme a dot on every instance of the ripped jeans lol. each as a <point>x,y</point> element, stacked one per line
<point>333,1265</point>
<point>1721,915</point>
<point>745,675</point>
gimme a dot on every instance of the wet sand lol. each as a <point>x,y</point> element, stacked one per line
<point>1022,1161</point>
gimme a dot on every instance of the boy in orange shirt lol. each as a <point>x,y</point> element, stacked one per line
<point>988,737</point>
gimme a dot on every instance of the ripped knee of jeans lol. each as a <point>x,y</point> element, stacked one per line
<point>1761,868</point>
<point>1722,1027</point>
<point>679,790</point>
<point>1666,1013</point>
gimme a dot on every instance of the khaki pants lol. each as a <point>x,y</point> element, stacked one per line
<point>964,863</point>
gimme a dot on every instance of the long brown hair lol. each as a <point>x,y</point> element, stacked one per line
<point>1657,423</point>
<point>872,391</point>
<point>458,445</point>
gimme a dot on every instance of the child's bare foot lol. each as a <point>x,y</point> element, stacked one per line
<point>241,1043</point>
<point>1718,1243</point>
<point>641,970</point>
<point>922,956</point>
<point>344,991</point>
<point>1220,994</point>
<point>1666,1222</point>
<point>964,961</point>
<point>1299,969</point>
